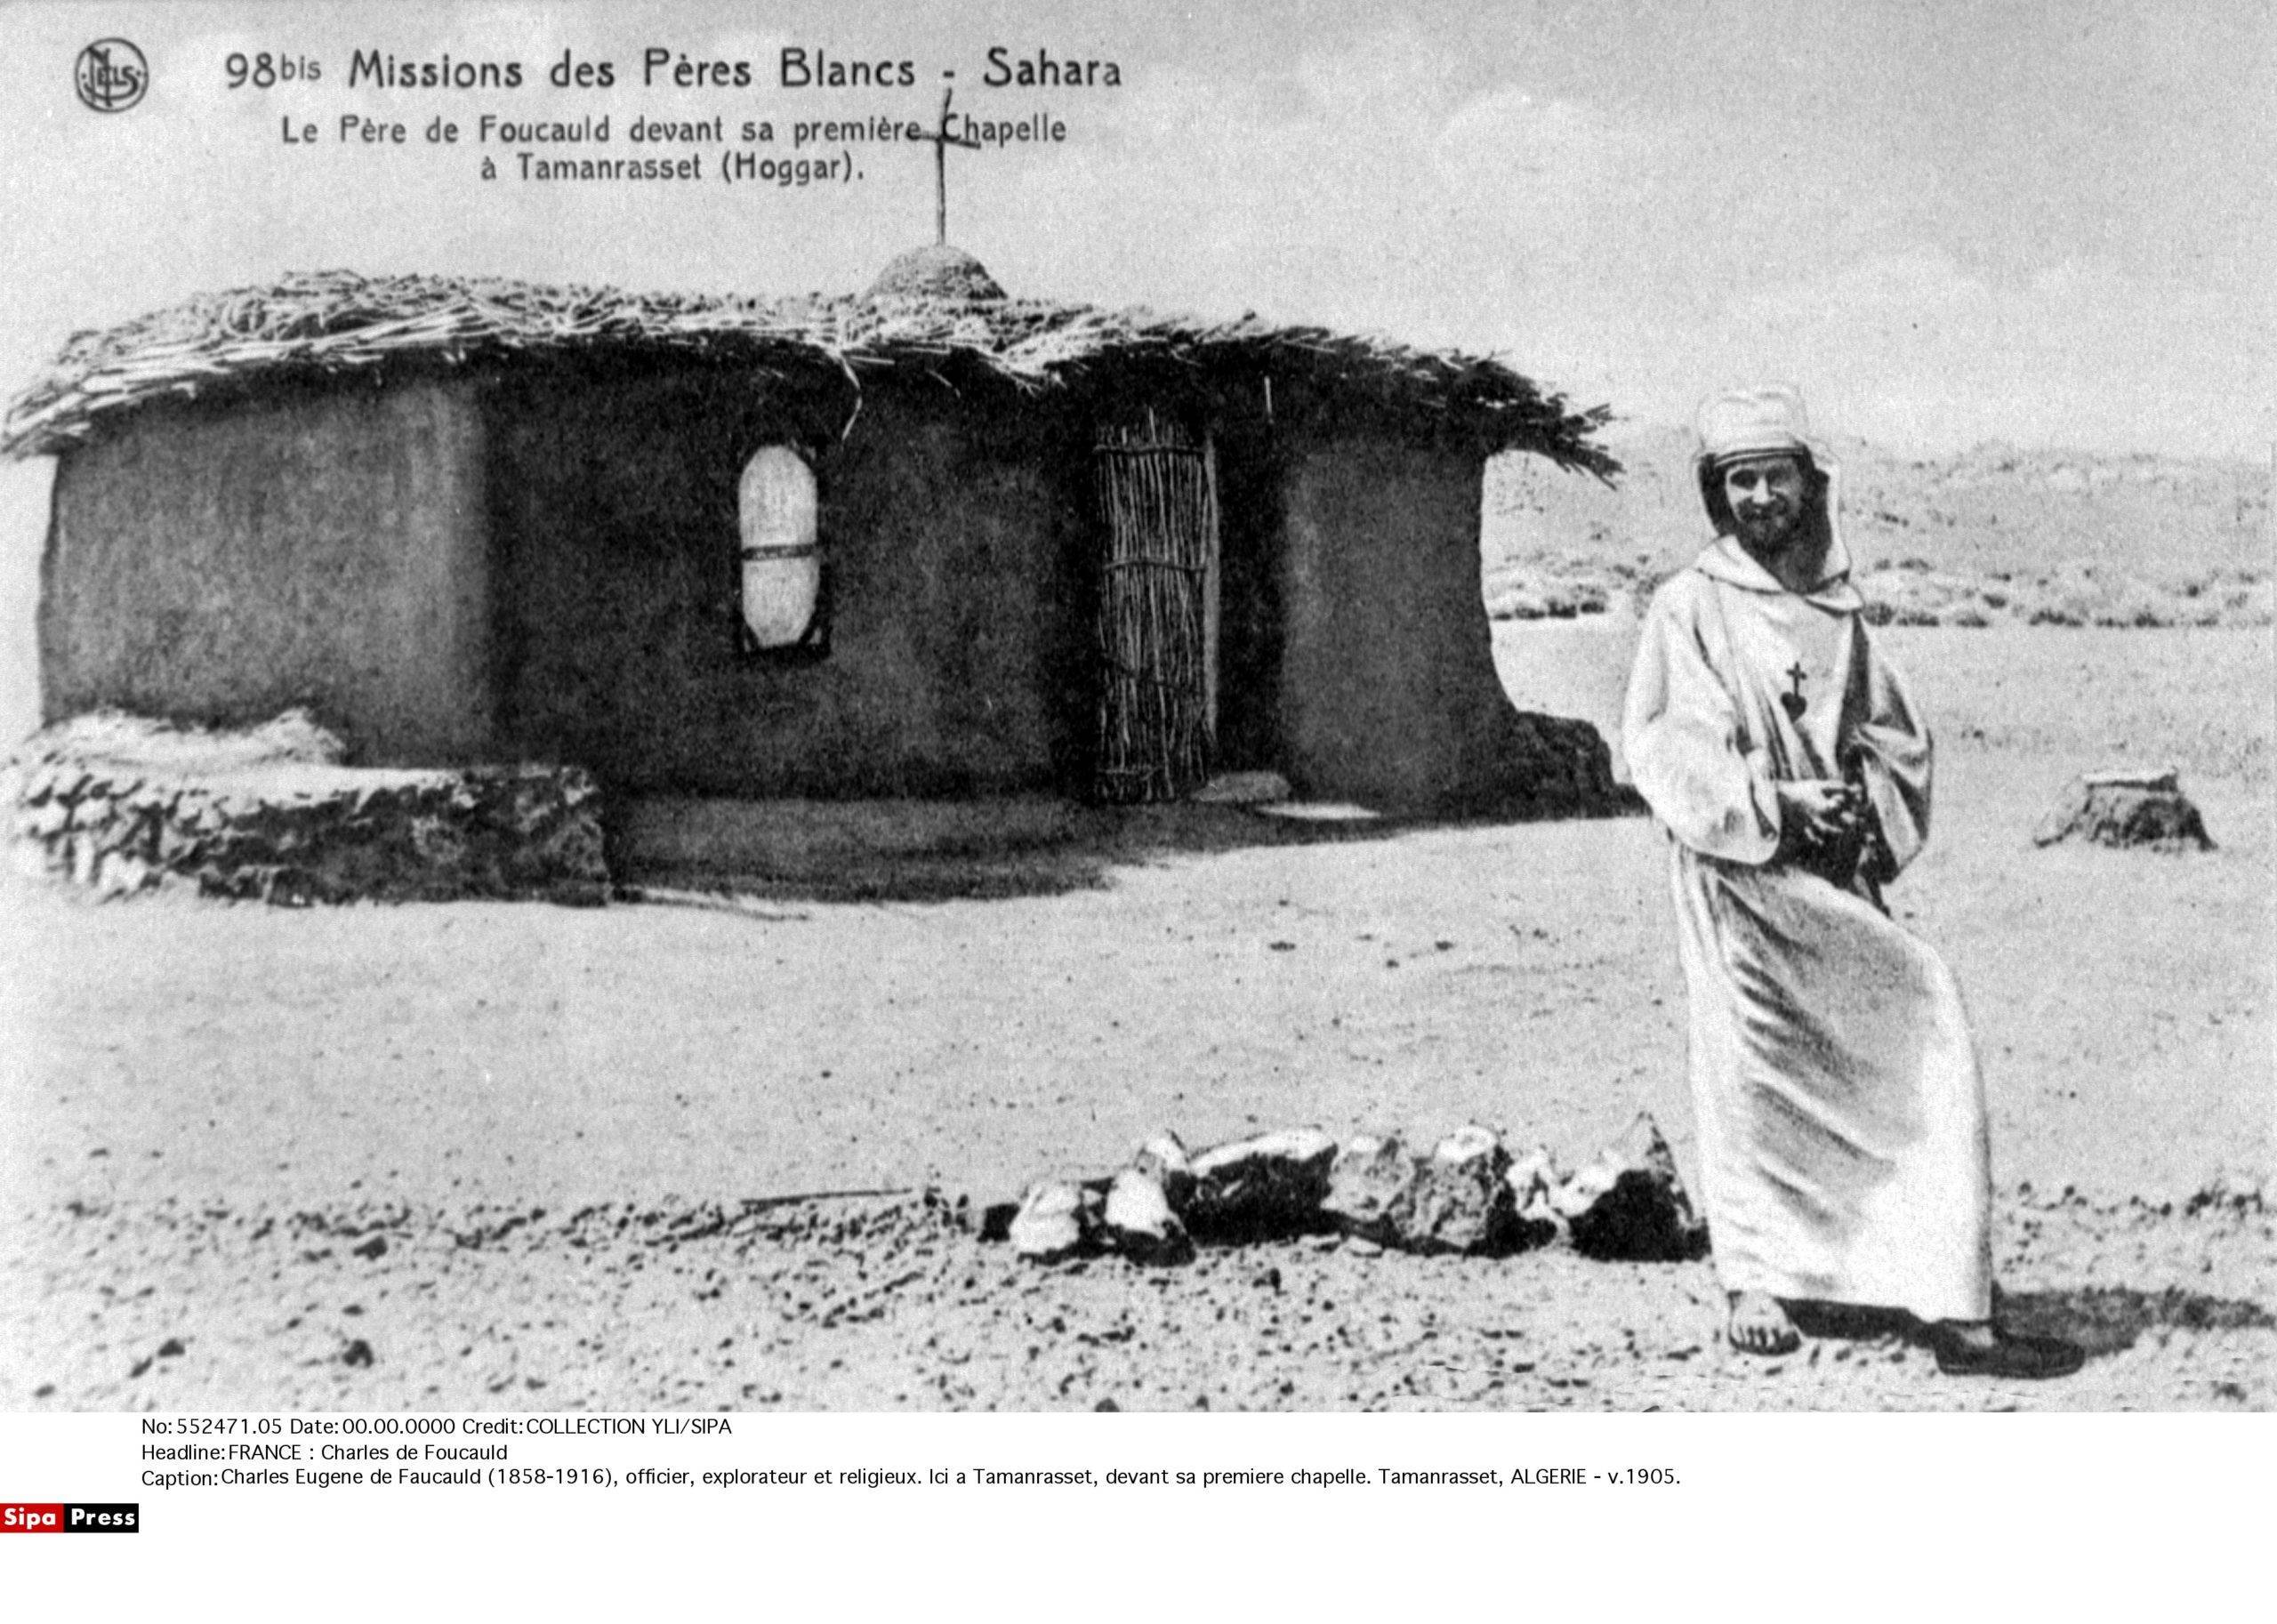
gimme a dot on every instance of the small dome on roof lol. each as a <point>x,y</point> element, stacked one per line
<point>937,271</point>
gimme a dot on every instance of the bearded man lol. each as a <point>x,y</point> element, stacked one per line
<point>1839,1113</point>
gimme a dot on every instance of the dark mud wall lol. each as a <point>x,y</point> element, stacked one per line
<point>220,563</point>
<point>1388,693</point>
<point>1250,524</point>
<point>954,530</point>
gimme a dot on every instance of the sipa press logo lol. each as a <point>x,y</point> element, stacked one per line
<point>111,76</point>
<point>83,1517</point>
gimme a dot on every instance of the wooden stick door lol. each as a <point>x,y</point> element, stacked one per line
<point>1158,611</point>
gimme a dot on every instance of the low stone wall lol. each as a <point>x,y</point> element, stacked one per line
<point>1569,769</point>
<point>124,804</point>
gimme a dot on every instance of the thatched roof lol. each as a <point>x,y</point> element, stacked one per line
<point>335,323</point>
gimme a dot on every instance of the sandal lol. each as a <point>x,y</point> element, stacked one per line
<point>2008,1356</point>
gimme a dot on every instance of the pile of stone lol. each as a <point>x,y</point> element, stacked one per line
<point>122,804</point>
<point>2127,807</point>
<point>1466,1194</point>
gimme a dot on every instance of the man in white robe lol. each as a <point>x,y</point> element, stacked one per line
<point>1841,1117</point>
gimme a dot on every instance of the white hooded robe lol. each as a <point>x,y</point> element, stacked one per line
<point>1839,1113</point>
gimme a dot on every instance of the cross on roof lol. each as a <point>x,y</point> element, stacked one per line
<point>942,141</point>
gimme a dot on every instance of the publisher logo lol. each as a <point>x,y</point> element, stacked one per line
<point>57,1518</point>
<point>111,76</point>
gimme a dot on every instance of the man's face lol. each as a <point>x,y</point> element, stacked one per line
<point>1766,494</point>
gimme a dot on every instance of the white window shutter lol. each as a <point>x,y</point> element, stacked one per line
<point>782,561</point>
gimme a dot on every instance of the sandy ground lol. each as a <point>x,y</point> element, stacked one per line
<point>213,1113</point>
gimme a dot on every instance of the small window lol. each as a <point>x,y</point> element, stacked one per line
<point>782,604</point>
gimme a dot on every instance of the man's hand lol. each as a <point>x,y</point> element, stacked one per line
<point>1819,814</point>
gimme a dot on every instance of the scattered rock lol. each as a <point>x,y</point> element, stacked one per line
<point>357,1352</point>
<point>1057,1218</point>
<point>1165,1159</point>
<point>1242,789</point>
<point>172,1348</point>
<point>2127,807</point>
<point>1629,1204</point>
<point>376,1247</point>
<point>1272,1185</point>
<point>1534,1181</point>
<point>1139,1223</point>
<point>1459,1201</point>
<point>1467,1196</point>
<point>1371,1178</point>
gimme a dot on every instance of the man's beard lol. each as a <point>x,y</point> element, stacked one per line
<point>1769,532</point>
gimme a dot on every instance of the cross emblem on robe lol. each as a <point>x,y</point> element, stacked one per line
<point>942,141</point>
<point>1792,701</point>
